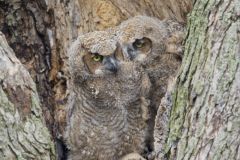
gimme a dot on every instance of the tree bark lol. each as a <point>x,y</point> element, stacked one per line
<point>205,115</point>
<point>25,25</point>
<point>23,132</point>
<point>40,31</point>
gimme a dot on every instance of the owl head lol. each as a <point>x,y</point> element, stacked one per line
<point>145,39</point>
<point>98,67</point>
<point>94,54</point>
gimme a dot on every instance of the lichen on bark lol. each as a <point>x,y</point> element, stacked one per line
<point>23,132</point>
<point>204,122</point>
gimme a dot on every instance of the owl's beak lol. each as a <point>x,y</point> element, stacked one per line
<point>111,64</point>
<point>129,52</point>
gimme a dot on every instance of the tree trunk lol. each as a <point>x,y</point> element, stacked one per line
<point>25,28</point>
<point>23,133</point>
<point>205,116</point>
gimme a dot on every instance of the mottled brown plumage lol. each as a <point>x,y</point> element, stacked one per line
<point>107,107</point>
<point>157,46</point>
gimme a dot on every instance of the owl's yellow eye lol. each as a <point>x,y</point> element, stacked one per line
<point>97,58</point>
<point>139,43</point>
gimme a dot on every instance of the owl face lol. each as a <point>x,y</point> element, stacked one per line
<point>145,39</point>
<point>94,55</point>
<point>99,64</point>
<point>139,49</point>
<point>142,38</point>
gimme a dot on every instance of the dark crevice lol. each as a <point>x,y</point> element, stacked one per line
<point>61,150</point>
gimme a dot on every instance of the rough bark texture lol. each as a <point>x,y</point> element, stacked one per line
<point>23,133</point>
<point>40,31</point>
<point>205,115</point>
<point>25,26</point>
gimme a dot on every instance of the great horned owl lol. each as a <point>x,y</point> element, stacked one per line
<point>108,106</point>
<point>157,46</point>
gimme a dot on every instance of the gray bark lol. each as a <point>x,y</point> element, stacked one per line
<point>205,115</point>
<point>23,132</point>
<point>25,24</point>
